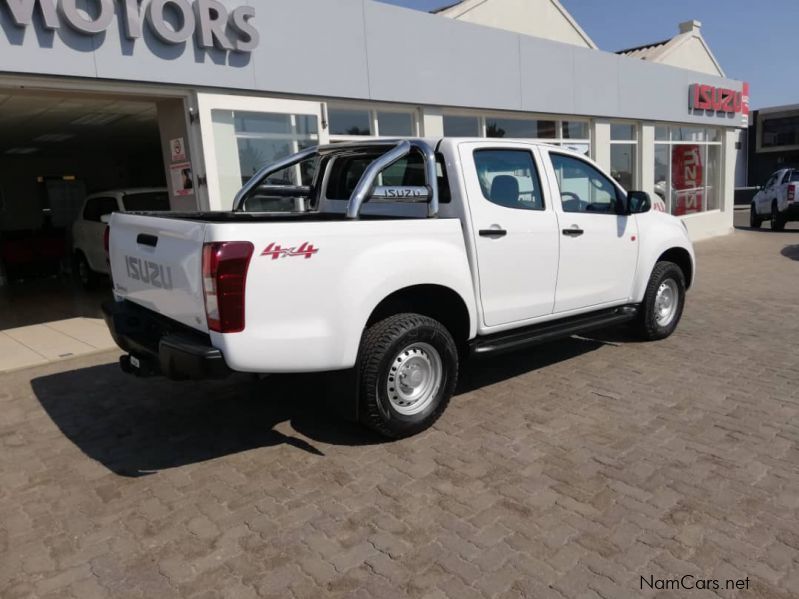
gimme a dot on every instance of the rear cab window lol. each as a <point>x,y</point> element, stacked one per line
<point>346,171</point>
<point>151,201</point>
<point>97,208</point>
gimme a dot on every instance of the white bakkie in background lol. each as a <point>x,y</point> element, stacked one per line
<point>391,262</point>
<point>777,200</point>
<point>88,249</point>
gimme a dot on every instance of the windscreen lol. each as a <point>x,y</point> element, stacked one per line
<point>152,201</point>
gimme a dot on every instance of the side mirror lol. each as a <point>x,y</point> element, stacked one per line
<point>638,202</point>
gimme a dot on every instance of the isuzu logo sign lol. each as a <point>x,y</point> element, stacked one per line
<point>717,99</point>
<point>171,21</point>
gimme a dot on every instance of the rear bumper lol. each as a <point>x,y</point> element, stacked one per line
<point>792,211</point>
<point>162,346</point>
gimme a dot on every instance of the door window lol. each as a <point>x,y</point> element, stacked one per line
<point>509,178</point>
<point>582,187</point>
<point>96,208</point>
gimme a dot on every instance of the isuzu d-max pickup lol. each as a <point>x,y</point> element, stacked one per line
<point>777,200</point>
<point>387,262</point>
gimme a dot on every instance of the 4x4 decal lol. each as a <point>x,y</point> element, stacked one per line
<point>276,251</point>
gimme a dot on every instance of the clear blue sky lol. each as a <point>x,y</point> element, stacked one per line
<point>753,41</point>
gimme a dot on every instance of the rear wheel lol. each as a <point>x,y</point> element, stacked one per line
<point>84,273</point>
<point>777,219</point>
<point>408,372</point>
<point>754,219</point>
<point>663,302</point>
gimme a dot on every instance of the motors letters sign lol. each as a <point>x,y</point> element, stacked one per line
<point>171,21</point>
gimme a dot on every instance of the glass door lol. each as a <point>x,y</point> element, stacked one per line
<point>241,134</point>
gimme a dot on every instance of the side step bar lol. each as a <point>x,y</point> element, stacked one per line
<point>549,331</point>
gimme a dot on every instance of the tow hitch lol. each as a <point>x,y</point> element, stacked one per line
<point>139,367</point>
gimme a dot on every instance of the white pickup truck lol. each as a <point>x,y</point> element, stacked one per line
<point>395,260</point>
<point>777,200</point>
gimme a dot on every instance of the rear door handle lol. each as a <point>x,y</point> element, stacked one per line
<point>493,232</point>
<point>574,231</point>
<point>144,239</point>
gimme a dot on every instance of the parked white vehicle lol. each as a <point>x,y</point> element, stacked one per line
<point>403,257</point>
<point>88,231</point>
<point>777,200</point>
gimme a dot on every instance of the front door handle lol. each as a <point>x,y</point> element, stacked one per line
<point>493,232</point>
<point>574,231</point>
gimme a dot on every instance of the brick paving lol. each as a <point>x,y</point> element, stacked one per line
<point>569,471</point>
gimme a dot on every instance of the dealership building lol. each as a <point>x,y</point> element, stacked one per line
<point>196,95</point>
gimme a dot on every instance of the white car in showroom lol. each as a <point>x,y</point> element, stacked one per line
<point>88,231</point>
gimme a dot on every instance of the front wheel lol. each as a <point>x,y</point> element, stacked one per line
<point>754,219</point>
<point>777,220</point>
<point>408,372</point>
<point>663,302</point>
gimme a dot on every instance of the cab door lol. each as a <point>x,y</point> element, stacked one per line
<point>598,244</point>
<point>514,231</point>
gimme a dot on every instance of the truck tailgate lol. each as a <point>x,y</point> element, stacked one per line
<point>157,263</point>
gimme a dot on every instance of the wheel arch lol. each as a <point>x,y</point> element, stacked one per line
<point>438,302</point>
<point>682,258</point>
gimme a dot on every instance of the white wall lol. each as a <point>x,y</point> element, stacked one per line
<point>692,55</point>
<point>538,18</point>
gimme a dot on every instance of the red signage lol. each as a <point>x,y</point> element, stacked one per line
<point>687,178</point>
<point>276,251</point>
<point>719,99</point>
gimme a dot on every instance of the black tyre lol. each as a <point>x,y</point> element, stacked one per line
<point>663,303</point>
<point>408,372</point>
<point>754,219</point>
<point>777,220</point>
<point>84,273</point>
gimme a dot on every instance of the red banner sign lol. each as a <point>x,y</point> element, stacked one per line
<point>687,178</point>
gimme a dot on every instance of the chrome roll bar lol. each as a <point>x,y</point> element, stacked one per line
<point>396,150</point>
<point>269,169</point>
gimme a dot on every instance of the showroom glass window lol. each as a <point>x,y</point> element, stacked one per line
<point>688,168</point>
<point>462,126</point>
<point>624,154</point>
<point>776,132</point>
<point>261,138</point>
<point>571,134</point>
<point>349,124</point>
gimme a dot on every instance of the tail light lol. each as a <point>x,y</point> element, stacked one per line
<point>225,267</point>
<point>107,239</point>
<point>791,192</point>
